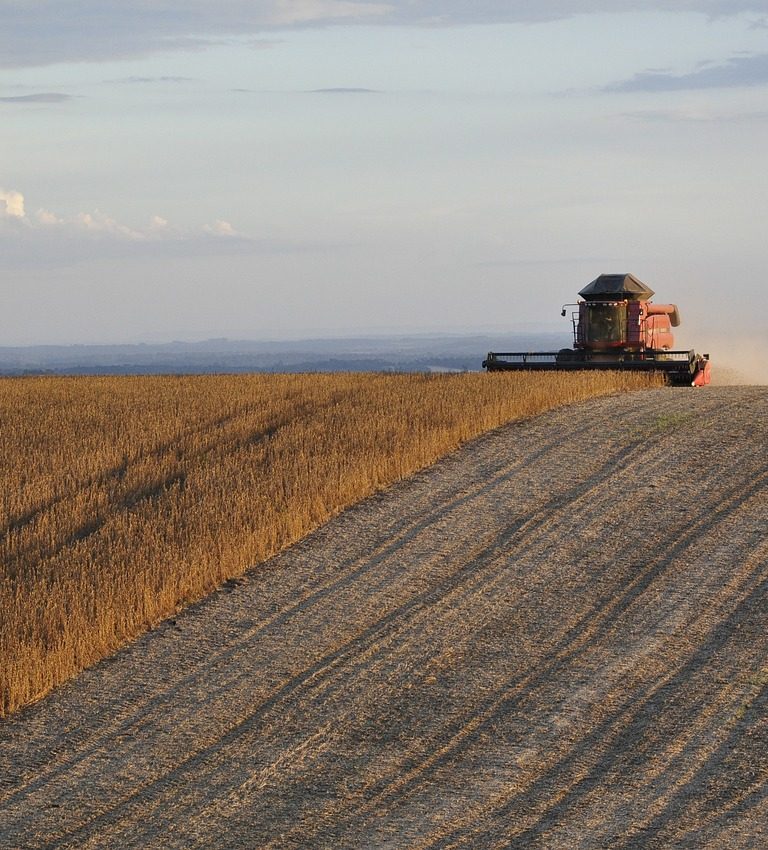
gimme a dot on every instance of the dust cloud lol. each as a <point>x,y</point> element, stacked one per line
<point>736,360</point>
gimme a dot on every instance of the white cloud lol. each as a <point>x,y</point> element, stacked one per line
<point>103,224</point>
<point>46,217</point>
<point>221,228</point>
<point>99,225</point>
<point>12,204</point>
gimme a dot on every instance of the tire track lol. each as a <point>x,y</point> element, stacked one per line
<point>574,643</point>
<point>620,725</point>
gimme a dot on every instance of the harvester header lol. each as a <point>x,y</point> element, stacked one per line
<point>616,326</point>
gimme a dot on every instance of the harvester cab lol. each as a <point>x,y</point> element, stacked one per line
<point>616,326</point>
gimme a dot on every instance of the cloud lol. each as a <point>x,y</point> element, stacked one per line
<point>140,80</point>
<point>46,217</point>
<point>45,239</point>
<point>740,71</point>
<point>345,91</point>
<point>292,12</point>
<point>50,31</point>
<point>696,116</point>
<point>43,97</point>
<point>11,204</point>
<point>221,228</point>
<point>332,90</point>
<point>98,225</point>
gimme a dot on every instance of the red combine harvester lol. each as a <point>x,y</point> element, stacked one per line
<point>616,327</point>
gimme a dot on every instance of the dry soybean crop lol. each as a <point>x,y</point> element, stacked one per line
<point>124,499</point>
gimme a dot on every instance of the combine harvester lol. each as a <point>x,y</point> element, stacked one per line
<point>616,327</point>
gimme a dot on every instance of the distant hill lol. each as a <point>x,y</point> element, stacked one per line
<point>416,353</point>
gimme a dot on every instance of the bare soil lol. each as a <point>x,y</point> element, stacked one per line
<point>557,637</point>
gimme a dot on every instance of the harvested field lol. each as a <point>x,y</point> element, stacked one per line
<point>126,498</point>
<point>554,638</point>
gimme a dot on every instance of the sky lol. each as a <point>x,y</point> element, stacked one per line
<point>285,168</point>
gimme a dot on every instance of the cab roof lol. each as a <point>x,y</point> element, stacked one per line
<point>616,287</point>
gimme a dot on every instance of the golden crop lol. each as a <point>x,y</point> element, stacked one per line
<point>126,498</point>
